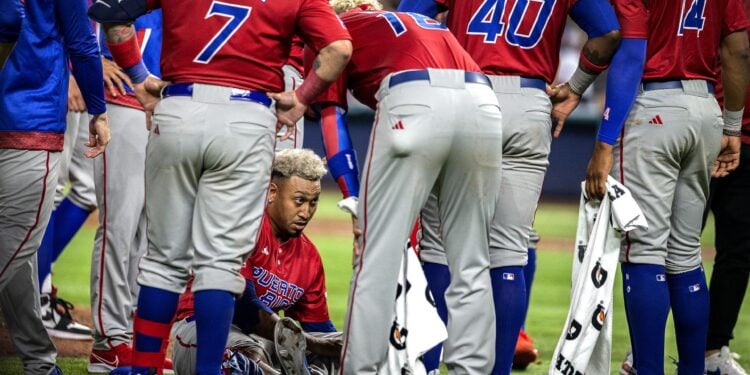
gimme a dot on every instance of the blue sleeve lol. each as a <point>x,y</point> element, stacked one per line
<point>11,17</point>
<point>595,17</point>
<point>428,8</point>
<point>340,154</point>
<point>318,327</point>
<point>623,81</point>
<point>246,309</point>
<point>83,50</point>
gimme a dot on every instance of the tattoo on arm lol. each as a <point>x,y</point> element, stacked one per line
<point>119,33</point>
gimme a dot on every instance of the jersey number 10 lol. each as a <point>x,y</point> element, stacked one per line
<point>488,21</point>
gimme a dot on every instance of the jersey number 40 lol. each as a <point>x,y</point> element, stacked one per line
<point>488,21</point>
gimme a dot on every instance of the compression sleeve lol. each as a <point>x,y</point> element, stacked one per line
<point>595,17</point>
<point>340,154</point>
<point>80,42</point>
<point>428,8</point>
<point>623,82</point>
<point>246,309</point>
<point>11,18</point>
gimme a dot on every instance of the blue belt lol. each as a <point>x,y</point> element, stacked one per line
<point>424,75</point>
<point>664,85</point>
<point>186,89</point>
<point>534,83</point>
<point>190,318</point>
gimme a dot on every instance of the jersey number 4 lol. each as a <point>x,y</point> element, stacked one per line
<point>237,15</point>
<point>488,21</point>
<point>693,19</point>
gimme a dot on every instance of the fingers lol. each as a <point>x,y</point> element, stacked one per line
<point>110,86</point>
<point>560,123</point>
<point>148,119</point>
<point>123,80</point>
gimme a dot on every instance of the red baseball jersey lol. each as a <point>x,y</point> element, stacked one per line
<point>404,41</point>
<point>683,35</point>
<point>522,38</point>
<point>288,276</point>
<point>297,54</point>
<point>240,43</point>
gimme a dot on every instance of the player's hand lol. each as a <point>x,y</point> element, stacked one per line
<point>564,101</point>
<point>729,156</point>
<point>288,111</point>
<point>114,78</point>
<point>75,99</point>
<point>326,347</point>
<point>357,231</point>
<point>98,135</point>
<point>598,170</point>
<point>148,94</point>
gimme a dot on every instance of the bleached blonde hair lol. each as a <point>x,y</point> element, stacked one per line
<point>302,163</point>
<point>341,6</point>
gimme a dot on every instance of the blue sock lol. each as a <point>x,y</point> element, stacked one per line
<point>157,306</point>
<point>528,276</point>
<point>509,295</point>
<point>438,278</point>
<point>213,316</point>
<point>688,294</point>
<point>44,253</point>
<point>71,218</point>
<point>646,306</point>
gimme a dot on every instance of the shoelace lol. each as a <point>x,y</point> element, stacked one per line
<point>65,305</point>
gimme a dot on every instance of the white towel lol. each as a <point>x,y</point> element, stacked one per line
<point>586,342</point>
<point>418,327</point>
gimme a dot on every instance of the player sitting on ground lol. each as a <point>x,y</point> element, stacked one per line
<point>286,271</point>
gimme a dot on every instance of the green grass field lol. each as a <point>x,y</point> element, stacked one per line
<point>550,296</point>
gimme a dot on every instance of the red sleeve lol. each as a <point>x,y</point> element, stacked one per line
<point>318,26</point>
<point>336,92</point>
<point>734,18</point>
<point>312,307</point>
<point>153,4</point>
<point>633,18</point>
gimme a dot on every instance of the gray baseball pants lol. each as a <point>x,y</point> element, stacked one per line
<point>440,134</point>
<point>26,199</point>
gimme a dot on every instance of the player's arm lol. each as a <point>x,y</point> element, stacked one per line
<point>83,50</point>
<point>11,18</point>
<point>340,154</point>
<point>250,314</point>
<point>429,8</point>
<point>117,17</point>
<point>734,77</point>
<point>622,88</point>
<point>598,20</point>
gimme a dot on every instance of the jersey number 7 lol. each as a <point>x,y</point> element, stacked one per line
<point>237,15</point>
<point>488,21</point>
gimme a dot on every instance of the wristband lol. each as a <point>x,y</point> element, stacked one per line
<point>311,88</point>
<point>580,81</point>
<point>138,72</point>
<point>127,54</point>
<point>590,66</point>
<point>732,122</point>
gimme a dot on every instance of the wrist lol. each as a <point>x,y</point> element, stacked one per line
<point>311,88</point>
<point>732,122</point>
<point>580,81</point>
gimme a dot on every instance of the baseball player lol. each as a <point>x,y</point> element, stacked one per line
<point>32,123</point>
<point>285,270</point>
<point>517,44</point>
<point>121,237</point>
<point>293,69</point>
<point>436,125</point>
<point>208,159</point>
<point>69,213</point>
<point>664,155</point>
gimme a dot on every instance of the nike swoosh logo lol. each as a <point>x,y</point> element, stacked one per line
<point>103,3</point>
<point>106,362</point>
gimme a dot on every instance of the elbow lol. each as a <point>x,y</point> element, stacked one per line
<point>341,50</point>
<point>612,39</point>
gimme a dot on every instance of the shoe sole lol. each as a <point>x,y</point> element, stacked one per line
<point>99,368</point>
<point>68,335</point>
<point>290,347</point>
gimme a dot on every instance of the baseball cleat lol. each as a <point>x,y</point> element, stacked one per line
<point>290,347</point>
<point>724,363</point>
<point>236,363</point>
<point>59,322</point>
<point>525,353</point>
<point>107,361</point>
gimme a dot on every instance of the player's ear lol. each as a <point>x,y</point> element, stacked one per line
<point>273,189</point>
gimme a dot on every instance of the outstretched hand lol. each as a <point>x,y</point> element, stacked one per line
<point>598,169</point>
<point>728,158</point>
